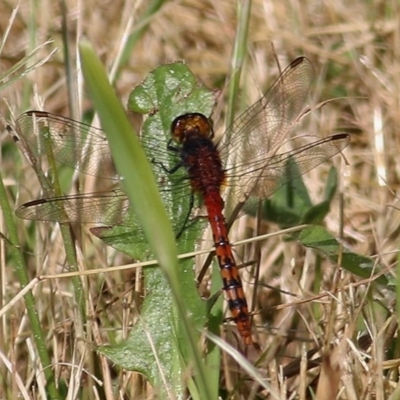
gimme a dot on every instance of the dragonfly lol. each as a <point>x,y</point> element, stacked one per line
<point>247,161</point>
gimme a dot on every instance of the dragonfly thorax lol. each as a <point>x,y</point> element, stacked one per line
<point>203,164</point>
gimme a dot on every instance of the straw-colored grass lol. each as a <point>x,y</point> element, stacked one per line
<point>319,330</point>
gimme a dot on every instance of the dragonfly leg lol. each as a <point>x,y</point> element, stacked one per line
<point>174,149</point>
<point>184,225</point>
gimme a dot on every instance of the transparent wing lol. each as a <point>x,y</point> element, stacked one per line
<point>265,125</point>
<point>72,143</point>
<point>108,208</point>
<point>257,135</point>
<point>264,177</point>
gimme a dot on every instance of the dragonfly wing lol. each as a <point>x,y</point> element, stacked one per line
<point>264,126</point>
<point>108,208</point>
<point>265,177</point>
<point>75,144</point>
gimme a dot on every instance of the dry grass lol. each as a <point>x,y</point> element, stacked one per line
<point>342,345</point>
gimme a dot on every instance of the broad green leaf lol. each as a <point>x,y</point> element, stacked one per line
<point>318,238</point>
<point>291,204</point>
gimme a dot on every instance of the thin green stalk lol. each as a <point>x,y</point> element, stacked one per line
<point>398,289</point>
<point>238,56</point>
<point>66,233</point>
<point>65,229</point>
<point>21,273</point>
<point>152,8</point>
<point>69,65</point>
<point>32,36</point>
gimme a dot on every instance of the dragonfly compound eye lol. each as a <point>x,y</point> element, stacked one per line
<point>194,124</point>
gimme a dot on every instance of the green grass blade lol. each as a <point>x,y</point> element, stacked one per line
<point>141,189</point>
<point>167,91</point>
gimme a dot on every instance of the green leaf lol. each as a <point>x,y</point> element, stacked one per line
<point>318,238</point>
<point>317,213</point>
<point>288,204</point>
<point>170,91</point>
<point>291,204</point>
<point>331,184</point>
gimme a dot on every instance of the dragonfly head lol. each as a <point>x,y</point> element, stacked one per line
<point>187,125</point>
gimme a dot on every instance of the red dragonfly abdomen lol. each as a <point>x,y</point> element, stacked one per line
<point>202,161</point>
<point>232,284</point>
